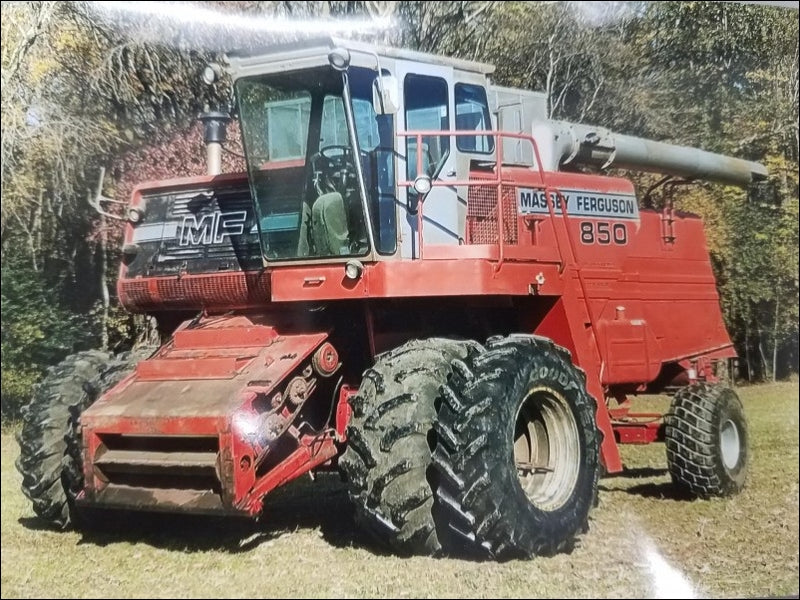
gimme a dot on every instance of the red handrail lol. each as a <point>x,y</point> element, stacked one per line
<point>497,181</point>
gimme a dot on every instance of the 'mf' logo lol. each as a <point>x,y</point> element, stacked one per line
<point>211,228</point>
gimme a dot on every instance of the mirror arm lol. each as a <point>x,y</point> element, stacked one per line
<point>381,89</point>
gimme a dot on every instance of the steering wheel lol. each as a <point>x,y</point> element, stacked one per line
<point>327,152</point>
<point>337,165</point>
<point>330,154</point>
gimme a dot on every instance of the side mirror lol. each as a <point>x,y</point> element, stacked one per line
<point>385,95</point>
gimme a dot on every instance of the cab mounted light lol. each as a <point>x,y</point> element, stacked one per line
<point>422,185</point>
<point>353,269</point>
<point>129,253</point>
<point>135,214</point>
<point>211,73</point>
<point>339,58</point>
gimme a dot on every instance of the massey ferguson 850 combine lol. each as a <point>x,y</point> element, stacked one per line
<point>413,283</point>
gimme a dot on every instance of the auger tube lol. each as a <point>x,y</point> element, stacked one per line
<point>562,143</point>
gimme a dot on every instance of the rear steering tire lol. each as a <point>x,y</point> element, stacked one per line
<point>387,463</point>
<point>707,442</point>
<point>518,449</point>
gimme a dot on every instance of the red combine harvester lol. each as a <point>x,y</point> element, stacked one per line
<point>413,283</point>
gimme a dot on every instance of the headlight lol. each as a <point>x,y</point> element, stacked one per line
<point>423,185</point>
<point>135,214</point>
<point>211,73</point>
<point>353,269</point>
<point>339,58</point>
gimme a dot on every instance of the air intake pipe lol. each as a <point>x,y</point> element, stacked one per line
<point>215,126</point>
<point>561,143</point>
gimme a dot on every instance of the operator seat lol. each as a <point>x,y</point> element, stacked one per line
<point>324,229</point>
<point>329,230</point>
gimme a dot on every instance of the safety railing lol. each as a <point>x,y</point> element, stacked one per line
<point>497,181</point>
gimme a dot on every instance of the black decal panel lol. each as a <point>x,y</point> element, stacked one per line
<point>196,231</point>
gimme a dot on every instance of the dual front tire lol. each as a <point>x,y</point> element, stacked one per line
<point>387,462</point>
<point>504,460</point>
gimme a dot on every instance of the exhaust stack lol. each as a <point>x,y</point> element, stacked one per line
<point>215,126</point>
<point>563,143</point>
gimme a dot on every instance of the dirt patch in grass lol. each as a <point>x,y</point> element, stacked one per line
<point>644,540</point>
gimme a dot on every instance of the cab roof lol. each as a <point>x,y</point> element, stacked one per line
<point>247,60</point>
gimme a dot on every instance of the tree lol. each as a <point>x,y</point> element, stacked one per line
<point>37,331</point>
<point>724,77</point>
<point>86,87</point>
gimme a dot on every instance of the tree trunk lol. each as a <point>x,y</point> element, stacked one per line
<point>747,351</point>
<point>549,83</point>
<point>103,264</point>
<point>775,337</point>
<point>37,228</point>
<point>762,356</point>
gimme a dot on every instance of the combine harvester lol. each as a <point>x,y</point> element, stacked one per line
<point>415,284</point>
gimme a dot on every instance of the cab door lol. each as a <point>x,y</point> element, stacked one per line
<point>427,104</point>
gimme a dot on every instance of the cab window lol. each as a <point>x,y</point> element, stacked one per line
<point>427,109</point>
<point>472,113</point>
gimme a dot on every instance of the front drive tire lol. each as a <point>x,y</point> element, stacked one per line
<point>517,449</point>
<point>50,459</point>
<point>387,463</point>
<point>707,441</point>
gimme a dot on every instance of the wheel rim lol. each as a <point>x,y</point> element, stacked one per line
<point>729,444</point>
<point>546,449</point>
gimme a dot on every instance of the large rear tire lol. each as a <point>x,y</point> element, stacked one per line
<point>517,449</point>
<point>706,440</point>
<point>387,463</point>
<point>50,444</point>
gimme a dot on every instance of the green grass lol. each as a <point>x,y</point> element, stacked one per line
<point>744,546</point>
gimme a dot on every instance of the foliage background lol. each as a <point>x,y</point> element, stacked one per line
<point>86,87</point>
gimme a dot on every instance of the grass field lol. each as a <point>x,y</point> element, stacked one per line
<point>644,540</point>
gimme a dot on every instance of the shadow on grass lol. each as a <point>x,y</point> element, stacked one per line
<point>302,505</point>
<point>665,490</point>
<point>640,472</point>
<point>662,491</point>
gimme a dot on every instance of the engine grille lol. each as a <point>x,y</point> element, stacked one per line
<point>482,221</point>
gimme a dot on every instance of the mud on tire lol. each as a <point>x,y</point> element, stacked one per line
<point>706,440</point>
<point>517,449</point>
<point>387,462</point>
<point>49,441</point>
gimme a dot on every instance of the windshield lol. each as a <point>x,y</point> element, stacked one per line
<point>302,167</point>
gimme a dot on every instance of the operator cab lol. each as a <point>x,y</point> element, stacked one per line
<point>320,127</point>
<point>301,160</point>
